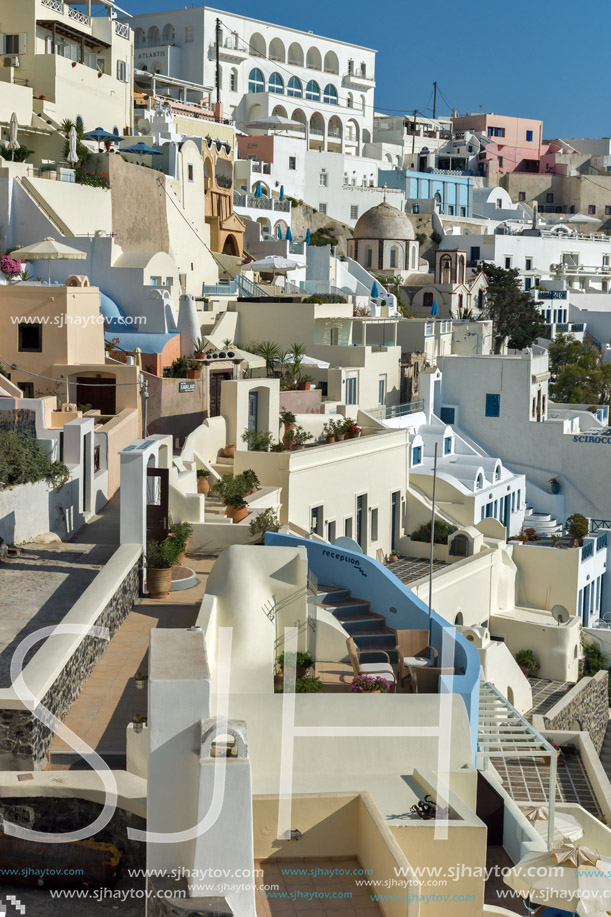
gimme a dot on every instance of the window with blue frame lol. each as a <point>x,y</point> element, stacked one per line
<point>493,405</point>
<point>330,94</point>
<point>513,502</point>
<point>256,81</point>
<point>447,445</point>
<point>448,415</point>
<point>294,87</point>
<point>313,91</point>
<point>276,83</point>
<point>529,136</point>
<point>416,455</point>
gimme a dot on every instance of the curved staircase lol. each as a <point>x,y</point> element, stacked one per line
<point>544,524</point>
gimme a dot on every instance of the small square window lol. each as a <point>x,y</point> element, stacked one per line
<point>323,178</point>
<point>27,388</point>
<point>292,163</point>
<point>507,262</point>
<point>189,33</point>
<point>529,264</point>
<point>591,209</point>
<point>529,136</point>
<point>463,211</point>
<point>416,455</point>
<point>30,338</point>
<point>493,405</point>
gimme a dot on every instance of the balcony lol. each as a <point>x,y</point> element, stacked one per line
<point>587,550</point>
<point>601,542</point>
<point>360,79</point>
<point>388,411</point>
<point>122,29</point>
<point>260,203</point>
<point>71,12</point>
<point>231,50</point>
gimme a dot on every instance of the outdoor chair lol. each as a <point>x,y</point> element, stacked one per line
<point>383,669</point>
<point>414,650</point>
<point>426,680</point>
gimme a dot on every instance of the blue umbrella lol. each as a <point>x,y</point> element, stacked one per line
<point>374,290</point>
<point>258,190</point>
<point>308,236</point>
<point>141,148</point>
<point>100,135</point>
<point>281,192</point>
<point>289,235</point>
<point>434,308</point>
<point>279,231</point>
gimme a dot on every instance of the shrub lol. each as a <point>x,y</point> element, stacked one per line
<point>287,417</point>
<point>421,237</point>
<point>162,554</point>
<point>202,473</point>
<point>304,660</point>
<point>177,369</point>
<point>594,658</point>
<point>578,527</point>
<point>267,521</point>
<point>258,440</point>
<point>435,237</point>
<point>20,155</point>
<point>443,530</point>
<point>308,685</point>
<point>24,461</point>
<point>326,297</point>
<point>526,659</point>
<point>181,531</point>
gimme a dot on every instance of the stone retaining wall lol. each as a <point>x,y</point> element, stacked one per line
<point>585,708</point>
<point>24,739</point>
<point>159,905</point>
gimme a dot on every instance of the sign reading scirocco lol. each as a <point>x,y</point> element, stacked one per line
<point>589,438</point>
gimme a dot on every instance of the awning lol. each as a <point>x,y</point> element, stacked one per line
<point>68,31</point>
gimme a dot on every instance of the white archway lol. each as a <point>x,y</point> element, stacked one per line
<point>313,59</point>
<point>277,50</point>
<point>296,54</point>
<point>257,46</point>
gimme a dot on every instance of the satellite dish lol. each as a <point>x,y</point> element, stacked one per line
<point>348,544</point>
<point>560,614</point>
<point>144,126</point>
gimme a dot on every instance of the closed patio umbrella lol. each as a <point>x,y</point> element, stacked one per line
<point>281,192</point>
<point>72,141</point>
<point>375,292</point>
<point>279,231</point>
<point>434,308</point>
<point>289,234</point>
<point>50,250</point>
<point>308,236</point>
<point>13,143</point>
<point>258,190</point>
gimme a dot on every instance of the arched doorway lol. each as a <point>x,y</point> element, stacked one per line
<point>231,246</point>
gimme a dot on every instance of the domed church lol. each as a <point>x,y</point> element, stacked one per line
<point>384,241</point>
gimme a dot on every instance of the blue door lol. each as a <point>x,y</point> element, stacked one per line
<point>586,605</point>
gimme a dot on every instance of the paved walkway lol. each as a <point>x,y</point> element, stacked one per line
<point>409,569</point>
<point>102,528</point>
<point>352,900</point>
<point>110,699</point>
<point>546,693</point>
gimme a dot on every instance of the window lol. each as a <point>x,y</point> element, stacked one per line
<point>382,390</point>
<point>11,44</point>
<point>333,336</point>
<point>351,391</point>
<point>276,84</point>
<point>316,520</point>
<point>529,136</point>
<point>549,198</point>
<point>521,195</point>
<point>30,338</point>
<point>393,257</point>
<point>123,71</point>
<point>233,81</point>
<point>330,94</point>
<point>513,501</point>
<point>190,172</point>
<point>607,211</point>
<point>527,283</point>
<point>292,163</point>
<point>28,392</point>
<point>313,91</point>
<point>331,532</point>
<point>493,405</point>
<point>518,500</point>
<point>463,211</point>
<point>496,131</point>
<point>479,482</point>
<point>451,210</point>
<point>368,257</point>
<point>591,209</point>
<point>323,178</point>
<point>189,33</point>
<point>294,88</point>
<point>354,211</point>
<point>475,253</point>
<point>500,161</point>
<point>374,524</point>
<point>528,264</point>
<point>322,209</point>
<point>256,83</point>
<point>507,262</point>
<point>348,527</point>
<point>416,455</point>
<point>499,203</point>
<point>448,415</point>
<point>447,445</point>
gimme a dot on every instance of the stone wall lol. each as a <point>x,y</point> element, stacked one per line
<point>24,739</point>
<point>159,905</point>
<point>59,814</point>
<point>585,707</point>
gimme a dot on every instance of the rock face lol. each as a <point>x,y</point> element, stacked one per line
<point>303,218</point>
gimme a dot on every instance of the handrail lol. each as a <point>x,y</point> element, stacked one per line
<point>248,288</point>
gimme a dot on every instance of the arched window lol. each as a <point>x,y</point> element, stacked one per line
<point>294,88</point>
<point>427,300</point>
<point>153,38</point>
<point>139,38</point>
<point>256,83</point>
<point>276,83</point>
<point>330,94</point>
<point>393,257</point>
<point>363,104</point>
<point>168,35</point>
<point>313,91</point>
<point>479,481</point>
<point>368,257</point>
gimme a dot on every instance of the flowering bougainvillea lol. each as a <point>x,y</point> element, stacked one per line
<point>10,267</point>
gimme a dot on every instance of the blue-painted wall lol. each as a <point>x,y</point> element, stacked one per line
<point>454,190</point>
<point>369,580</point>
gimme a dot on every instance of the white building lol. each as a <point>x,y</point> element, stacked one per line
<point>266,69</point>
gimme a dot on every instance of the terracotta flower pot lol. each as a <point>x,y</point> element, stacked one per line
<point>305,386</point>
<point>203,485</point>
<point>340,437</point>
<point>159,582</point>
<point>240,514</point>
<point>199,355</point>
<point>193,373</point>
<point>229,511</point>
<point>392,559</point>
<point>330,439</point>
<point>229,451</point>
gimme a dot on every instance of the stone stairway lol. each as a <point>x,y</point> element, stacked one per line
<point>367,627</point>
<point>542,523</point>
<point>605,752</point>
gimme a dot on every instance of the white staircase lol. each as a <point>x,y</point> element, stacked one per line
<point>542,523</point>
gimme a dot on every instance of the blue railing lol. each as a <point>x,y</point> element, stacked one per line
<point>248,288</point>
<point>369,580</point>
<point>587,550</point>
<point>601,542</point>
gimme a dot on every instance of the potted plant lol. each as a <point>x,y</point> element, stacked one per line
<point>329,432</point>
<point>554,484</point>
<point>351,430</point>
<point>237,509</point>
<point>181,532</point>
<point>278,447</point>
<point>305,383</point>
<point>258,440</point>
<point>300,437</point>
<point>527,662</point>
<point>578,527</point>
<point>288,419</point>
<point>203,484</point>
<point>229,451</point>
<point>251,482</point>
<point>369,684</point>
<point>199,347</point>
<point>303,662</point>
<point>267,521</point>
<point>160,558</point>
<point>393,557</point>
<point>556,541</point>
<point>193,369</point>
<point>308,685</point>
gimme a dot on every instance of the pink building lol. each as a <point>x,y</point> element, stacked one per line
<point>516,144</point>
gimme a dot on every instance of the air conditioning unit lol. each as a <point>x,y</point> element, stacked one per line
<point>12,61</point>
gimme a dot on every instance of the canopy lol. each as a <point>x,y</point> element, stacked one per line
<point>569,878</point>
<point>566,827</point>
<point>579,218</point>
<point>100,135</point>
<point>141,148</point>
<point>275,123</point>
<point>305,360</point>
<point>49,250</point>
<point>273,264</point>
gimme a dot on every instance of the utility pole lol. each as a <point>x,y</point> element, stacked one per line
<point>434,100</point>
<point>218,60</point>
<point>414,134</point>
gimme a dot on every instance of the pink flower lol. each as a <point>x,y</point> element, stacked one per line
<point>10,267</point>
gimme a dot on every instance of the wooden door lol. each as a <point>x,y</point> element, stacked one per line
<point>157,503</point>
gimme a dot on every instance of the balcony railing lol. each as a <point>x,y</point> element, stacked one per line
<point>122,29</point>
<point>601,542</point>
<point>78,16</point>
<point>587,550</point>
<point>56,5</point>
<point>387,411</point>
<point>230,288</point>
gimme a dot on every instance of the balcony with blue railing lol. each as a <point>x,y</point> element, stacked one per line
<point>587,550</point>
<point>601,542</point>
<point>223,288</point>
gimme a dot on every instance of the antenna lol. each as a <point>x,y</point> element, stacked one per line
<point>560,614</point>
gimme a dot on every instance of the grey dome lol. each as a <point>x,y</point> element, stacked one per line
<point>384,222</point>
